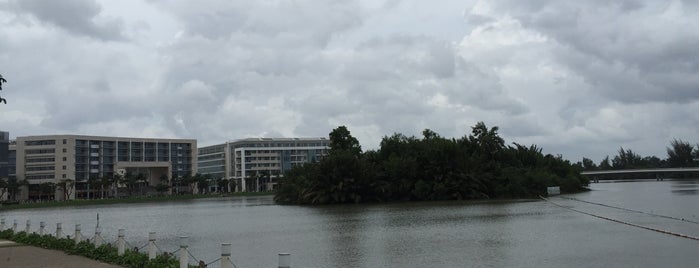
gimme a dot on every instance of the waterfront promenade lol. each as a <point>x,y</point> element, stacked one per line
<point>18,255</point>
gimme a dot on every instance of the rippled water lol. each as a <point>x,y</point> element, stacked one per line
<point>424,234</point>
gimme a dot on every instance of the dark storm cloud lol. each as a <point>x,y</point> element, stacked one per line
<point>75,16</point>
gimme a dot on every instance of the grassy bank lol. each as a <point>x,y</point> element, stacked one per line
<point>135,199</point>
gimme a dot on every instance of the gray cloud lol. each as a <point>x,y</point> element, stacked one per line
<point>576,78</point>
<point>75,16</point>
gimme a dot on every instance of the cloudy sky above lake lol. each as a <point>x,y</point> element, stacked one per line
<point>578,78</point>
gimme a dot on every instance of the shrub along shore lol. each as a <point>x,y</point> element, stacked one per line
<point>104,253</point>
<point>136,199</point>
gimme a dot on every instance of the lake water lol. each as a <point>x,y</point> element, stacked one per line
<point>423,234</point>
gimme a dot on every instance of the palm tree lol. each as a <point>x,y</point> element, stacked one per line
<point>2,80</point>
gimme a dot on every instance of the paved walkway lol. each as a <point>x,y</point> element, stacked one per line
<point>17,255</point>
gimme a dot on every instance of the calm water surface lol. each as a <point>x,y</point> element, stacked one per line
<point>425,234</point>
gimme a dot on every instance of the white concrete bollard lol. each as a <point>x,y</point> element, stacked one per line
<point>284,260</point>
<point>151,245</point>
<point>184,256</point>
<point>98,237</point>
<point>78,235</point>
<point>226,251</point>
<point>2,224</point>
<point>42,226</point>
<point>121,243</point>
<point>59,230</point>
<point>14,226</point>
<point>28,226</point>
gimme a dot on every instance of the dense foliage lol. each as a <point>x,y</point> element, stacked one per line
<point>679,154</point>
<point>475,166</point>
<point>105,253</point>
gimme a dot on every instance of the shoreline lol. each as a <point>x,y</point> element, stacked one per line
<point>129,200</point>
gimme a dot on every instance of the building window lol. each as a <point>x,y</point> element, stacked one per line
<point>65,142</point>
<point>64,176</point>
<point>65,159</point>
<point>64,167</point>
<point>65,150</point>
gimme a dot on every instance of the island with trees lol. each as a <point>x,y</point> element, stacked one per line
<point>476,166</point>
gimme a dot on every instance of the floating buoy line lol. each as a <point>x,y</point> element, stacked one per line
<point>631,210</point>
<point>622,222</point>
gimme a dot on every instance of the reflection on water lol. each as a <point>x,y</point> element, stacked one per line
<point>423,234</point>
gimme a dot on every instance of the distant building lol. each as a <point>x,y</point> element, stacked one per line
<point>4,154</point>
<point>74,158</point>
<point>254,164</point>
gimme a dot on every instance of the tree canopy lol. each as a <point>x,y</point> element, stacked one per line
<point>478,165</point>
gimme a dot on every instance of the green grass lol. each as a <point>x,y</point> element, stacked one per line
<point>135,199</point>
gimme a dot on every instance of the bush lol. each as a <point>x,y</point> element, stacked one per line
<point>105,253</point>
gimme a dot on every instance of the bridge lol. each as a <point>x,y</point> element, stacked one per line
<point>658,172</point>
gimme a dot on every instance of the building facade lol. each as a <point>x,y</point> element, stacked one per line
<point>4,155</point>
<point>254,164</point>
<point>59,158</point>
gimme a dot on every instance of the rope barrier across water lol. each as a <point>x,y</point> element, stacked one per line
<point>630,210</point>
<point>623,222</point>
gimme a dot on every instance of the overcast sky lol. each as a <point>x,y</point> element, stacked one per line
<point>578,78</point>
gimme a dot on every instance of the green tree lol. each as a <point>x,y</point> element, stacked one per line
<point>588,164</point>
<point>626,159</point>
<point>66,186</point>
<point>342,140</point>
<point>605,164</point>
<point>679,154</point>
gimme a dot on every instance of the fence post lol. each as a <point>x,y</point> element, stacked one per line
<point>2,224</point>
<point>14,226</point>
<point>77,234</point>
<point>226,251</point>
<point>59,230</point>
<point>42,225</point>
<point>27,227</point>
<point>121,243</point>
<point>284,260</point>
<point>184,255</point>
<point>151,245</point>
<point>98,237</point>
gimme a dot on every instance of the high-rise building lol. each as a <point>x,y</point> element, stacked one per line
<point>57,159</point>
<point>255,163</point>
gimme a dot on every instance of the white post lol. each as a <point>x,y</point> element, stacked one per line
<point>59,230</point>
<point>284,260</point>
<point>184,256</point>
<point>27,227</point>
<point>2,224</point>
<point>98,237</point>
<point>14,226</point>
<point>226,251</point>
<point>77,234</point>
<point>42,225</point>
<point>151,245</point>
<point>121,243</point>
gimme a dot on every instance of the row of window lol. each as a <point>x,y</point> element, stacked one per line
<point>40,177</point>
<point>40,160</point>
<point>39,168</point>
<point>39,142</point>
<point>40,151</point>
<point>301,144</point>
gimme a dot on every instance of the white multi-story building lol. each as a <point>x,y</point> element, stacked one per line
<point>56,158</point>
<point>254,164</point>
